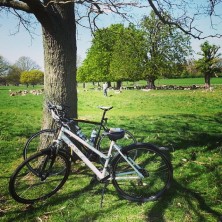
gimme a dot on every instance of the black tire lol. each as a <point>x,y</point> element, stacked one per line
<point>50,174</point>
<point>153,165</point>
<point>42,140</point>
<point>34,144</point>
<point>104,142</point>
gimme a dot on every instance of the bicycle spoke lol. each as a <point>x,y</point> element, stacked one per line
<point>154,167</point>
<point>45,179</point>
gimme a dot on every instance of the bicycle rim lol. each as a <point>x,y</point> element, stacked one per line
<point>38,141</point>
<point>152,164</point>
<point>49,175</point>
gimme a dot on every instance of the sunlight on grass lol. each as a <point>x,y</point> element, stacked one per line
<point>189,123</point>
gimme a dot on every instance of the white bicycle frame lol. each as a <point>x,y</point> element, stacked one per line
<point>100,174</point>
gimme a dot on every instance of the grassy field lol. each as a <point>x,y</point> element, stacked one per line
<point>180,82</point>
<point>187,81</point>
<point>188,122</point>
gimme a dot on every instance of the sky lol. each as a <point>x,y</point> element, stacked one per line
<point>14,45</point>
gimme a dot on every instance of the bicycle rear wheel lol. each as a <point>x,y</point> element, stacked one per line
<point>151,163</point>
<point>49,173</point>
<point>38,141</point>
<point>44,139</point>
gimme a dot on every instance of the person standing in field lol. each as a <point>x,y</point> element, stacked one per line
<point>105,88</point>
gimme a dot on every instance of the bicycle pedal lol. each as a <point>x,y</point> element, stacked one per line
<point>105,179</point>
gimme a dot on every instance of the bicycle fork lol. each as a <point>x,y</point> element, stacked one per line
<point>46,165</point>
<point>131,162</point>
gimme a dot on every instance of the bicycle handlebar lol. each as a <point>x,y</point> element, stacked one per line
<point>57,112</point>
<point>51,106</point>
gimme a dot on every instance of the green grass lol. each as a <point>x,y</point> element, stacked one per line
<point>178,82</point>
<point>188,122</point>
<point>187,81</point>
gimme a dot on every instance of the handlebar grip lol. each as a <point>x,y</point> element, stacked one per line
<point>59,108</point>
<point>51,106</point>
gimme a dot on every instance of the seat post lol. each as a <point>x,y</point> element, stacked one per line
<point>100,126</point>
<point>103,116</point>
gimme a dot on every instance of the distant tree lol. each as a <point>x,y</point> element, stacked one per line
<point>13,76</point>
<point>209,64</point>
<point>128,55</point>
<point>113,56</point>
<point>26,64</point>
<point>167,48</point>
<point>4,66</point>
<point>190,69</point>
<point>3,81</point>
<point>32,77</point>
<point>219,65</point>
<point>96,65</point>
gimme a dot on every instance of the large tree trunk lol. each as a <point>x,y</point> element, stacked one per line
<point>151,83</point>
<point>207,81</point>
<point>118,84</point>
<point>59,39</point>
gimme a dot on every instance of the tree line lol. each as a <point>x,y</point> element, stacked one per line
<point>150,51</point>
<point>59,21</point>
<point>24,71</point>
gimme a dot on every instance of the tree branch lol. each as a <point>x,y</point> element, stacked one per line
<point>184,23</point>
<point>18,5</point>
<point>180,15</point>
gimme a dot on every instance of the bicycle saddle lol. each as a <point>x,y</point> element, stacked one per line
<point>115,134</point>
<point>106,108</point>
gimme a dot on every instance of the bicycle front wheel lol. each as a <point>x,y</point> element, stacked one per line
<point>154,167</point>
<point>50,172</point>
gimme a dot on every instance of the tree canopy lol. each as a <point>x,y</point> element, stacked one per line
<point>113,56</point>
<point>128,53</point>
<point>4,66</point>
<point>166,47</point>
<point>32,77</point>
<point>11,73</point>
<point>208,63</point>
<point>25,63</point>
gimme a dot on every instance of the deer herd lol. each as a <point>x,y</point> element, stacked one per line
<point>25,92</point>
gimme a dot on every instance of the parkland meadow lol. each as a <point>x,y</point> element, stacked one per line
<point>189,123</point>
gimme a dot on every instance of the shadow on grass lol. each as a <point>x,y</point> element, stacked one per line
<point>177,190</point>
<point>182,131</point>
<point>156,214</point>
<point>179,131</point>
<point>30,210</point>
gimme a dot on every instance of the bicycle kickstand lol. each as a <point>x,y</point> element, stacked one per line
<point>103,193</point>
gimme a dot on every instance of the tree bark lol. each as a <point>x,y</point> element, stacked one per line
<point>59,42</point>
<point>118,84</point>
<point>207,81</point>
<point>151,83</point>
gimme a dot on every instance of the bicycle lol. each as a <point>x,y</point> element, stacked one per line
<point>98,138</point>
<point>139,172</point>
